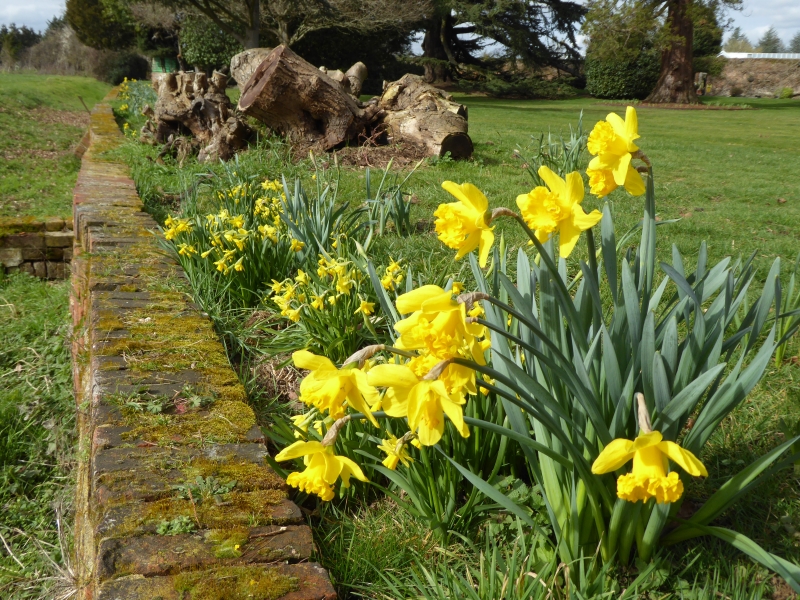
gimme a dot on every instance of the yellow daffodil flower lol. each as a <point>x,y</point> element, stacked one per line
<point>463,225</point>
<point>557,209</point>
<point>365,308</point>
<point>649,478</point>
<point>328,388</point>
<point>319,302</point>
<point>424,402</point>
<point>293,314</point>
<point>302,277</point>
<point>277,286</point>
<point>393,456</point>
<point>322,470</point>
<point>611,143</point>
<point>297,245</point>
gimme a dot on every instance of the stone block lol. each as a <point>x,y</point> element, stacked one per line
<point>40,270</point>
<point>56,254</point>
<point>307,581</point>
<point>32,254</point>
<point>26,267</point>
<point>53,224</point>
<point>11,257</point>
<point>158,555</point>
<point>67,253</point>
<point>58,239</point>
<point>23,240</point>
<point>56,270</point>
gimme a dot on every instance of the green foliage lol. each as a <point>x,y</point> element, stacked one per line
<point>122,65</point>
<point>13,40</point>
<point>786,93</point>
<point>622,79</point>
<point>557,154</point>
<point>794,45</point>
<point>176,526</point>
<point>713,65</point>
<point>98,27</point>
<point>37,417</point>
<point>771,42</point>
<point>707,40</point>
<point>738,42</point>
<point>519,86</point>
<point>203,43</point>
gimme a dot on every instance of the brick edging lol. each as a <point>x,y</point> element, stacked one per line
<point>163,423</point>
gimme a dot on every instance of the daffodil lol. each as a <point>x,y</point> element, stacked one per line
<point>297,245</point>
<point>323,468</point>
<point>424,402</point>
<point>302,277</point>
<point>464,225</point>
<point>611,142</point>
<point>328,388</point>
<point>365,308</point>
<point>318,303</point>
<point>557,208</point>
<point>649,478</point>
<point>394,456</point>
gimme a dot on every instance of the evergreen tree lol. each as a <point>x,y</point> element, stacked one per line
<point>738,42</point>
<point>771,42</point>
<point>97,27</point>
<point>794,45</point>
<point>538,33</point>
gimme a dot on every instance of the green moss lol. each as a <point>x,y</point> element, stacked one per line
<point>12,225</point>
<point>228,543</point>
<point>248,476</point>
<point>235,583</point>
<point>239,509</point>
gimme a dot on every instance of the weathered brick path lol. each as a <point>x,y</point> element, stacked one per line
<point>166,440</point>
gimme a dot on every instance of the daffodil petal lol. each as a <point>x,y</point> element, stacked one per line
<point>298,449</point>
<point>350,468</point>
<point>613,456</point>
<point>634,183</point>
<point>574,188</point>
<point>617,123</point>
<point>645,440</point>
<point>568,237</point>
<point>413,300</point>
<point>395,376</point>
<point>303,359</point>
<point>468,194</point>
<point>553,181</point>
<point>684,459</point>
<point>631,124</point>
<point>485,246</point>
<point>473,241</point>
<point>620,170</point>
<point>456,415</point>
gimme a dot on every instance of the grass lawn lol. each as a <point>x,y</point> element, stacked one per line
<point>41,121</point>
<point>728,175</point>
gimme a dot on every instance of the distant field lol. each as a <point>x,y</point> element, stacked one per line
<point>41,120</point>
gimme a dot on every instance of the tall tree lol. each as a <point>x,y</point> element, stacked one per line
<point>98,26</point>
<point>771,42</point>
<point>539,33</point>
<point>794,45</point>
<point>738,42</point>
<point>676,82</point>
<point>289,21</point>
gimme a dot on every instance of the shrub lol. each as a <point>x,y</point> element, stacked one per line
<point>520,87</point>
<point>203,44</point>
<point>786,93</point>
<point>713,65</point>
<point>736,92</point>
<point>613,79</point>
<point>115,67</point>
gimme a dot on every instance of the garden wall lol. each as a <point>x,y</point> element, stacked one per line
<point>174,497</point>
<point>38,247</point>
<point>756,78</point>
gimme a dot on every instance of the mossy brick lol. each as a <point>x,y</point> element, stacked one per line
<point>11,257</point>
<point>239,509</point>
<point>307,581</point>
<point>159,555</point>
<point>9,225</point>
<point>23,240</point>
<point>58,239</point>
<point>32,254</point>
<point>40,269</point>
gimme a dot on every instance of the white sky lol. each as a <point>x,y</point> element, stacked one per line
<point>754,20</point>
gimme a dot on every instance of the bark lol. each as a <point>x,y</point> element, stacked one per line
<point>302,103</point>
<point>244,64</point>
<point>194,105</point>
<point>433,47</point>
<point>417,112</point>
<point>676,82</point>
<point>357,74</point>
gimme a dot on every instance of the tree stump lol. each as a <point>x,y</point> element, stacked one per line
<point>244,64</point>
<point>418,112</point>
<point>192,104</point>
<point>302,103</point>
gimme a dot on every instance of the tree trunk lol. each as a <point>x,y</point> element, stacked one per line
<point>244,64</point>
<point>195,105</point>
<point>676,82</point>
<point>433,47</point>
<point>426,116</point>
<point>302,103</point>
<point>254,25</point>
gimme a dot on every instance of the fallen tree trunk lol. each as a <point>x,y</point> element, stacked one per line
<point>244,64</point>
<point>302,103</point>
<point>416,111</point>
<point>194,105</point>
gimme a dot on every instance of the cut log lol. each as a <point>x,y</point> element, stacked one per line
<point>418,112</point>
<point>357,74</point>
<point>301,102</point>
<point>244,64</point>
<point>194,105</point>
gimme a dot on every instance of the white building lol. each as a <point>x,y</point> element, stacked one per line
<point>778,55</point>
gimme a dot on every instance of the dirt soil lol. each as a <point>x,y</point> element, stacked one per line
<point>756,78</point>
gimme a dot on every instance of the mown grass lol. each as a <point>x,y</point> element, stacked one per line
<point>728,175</point>
<point>37,416</point>
<point>42,119</point>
